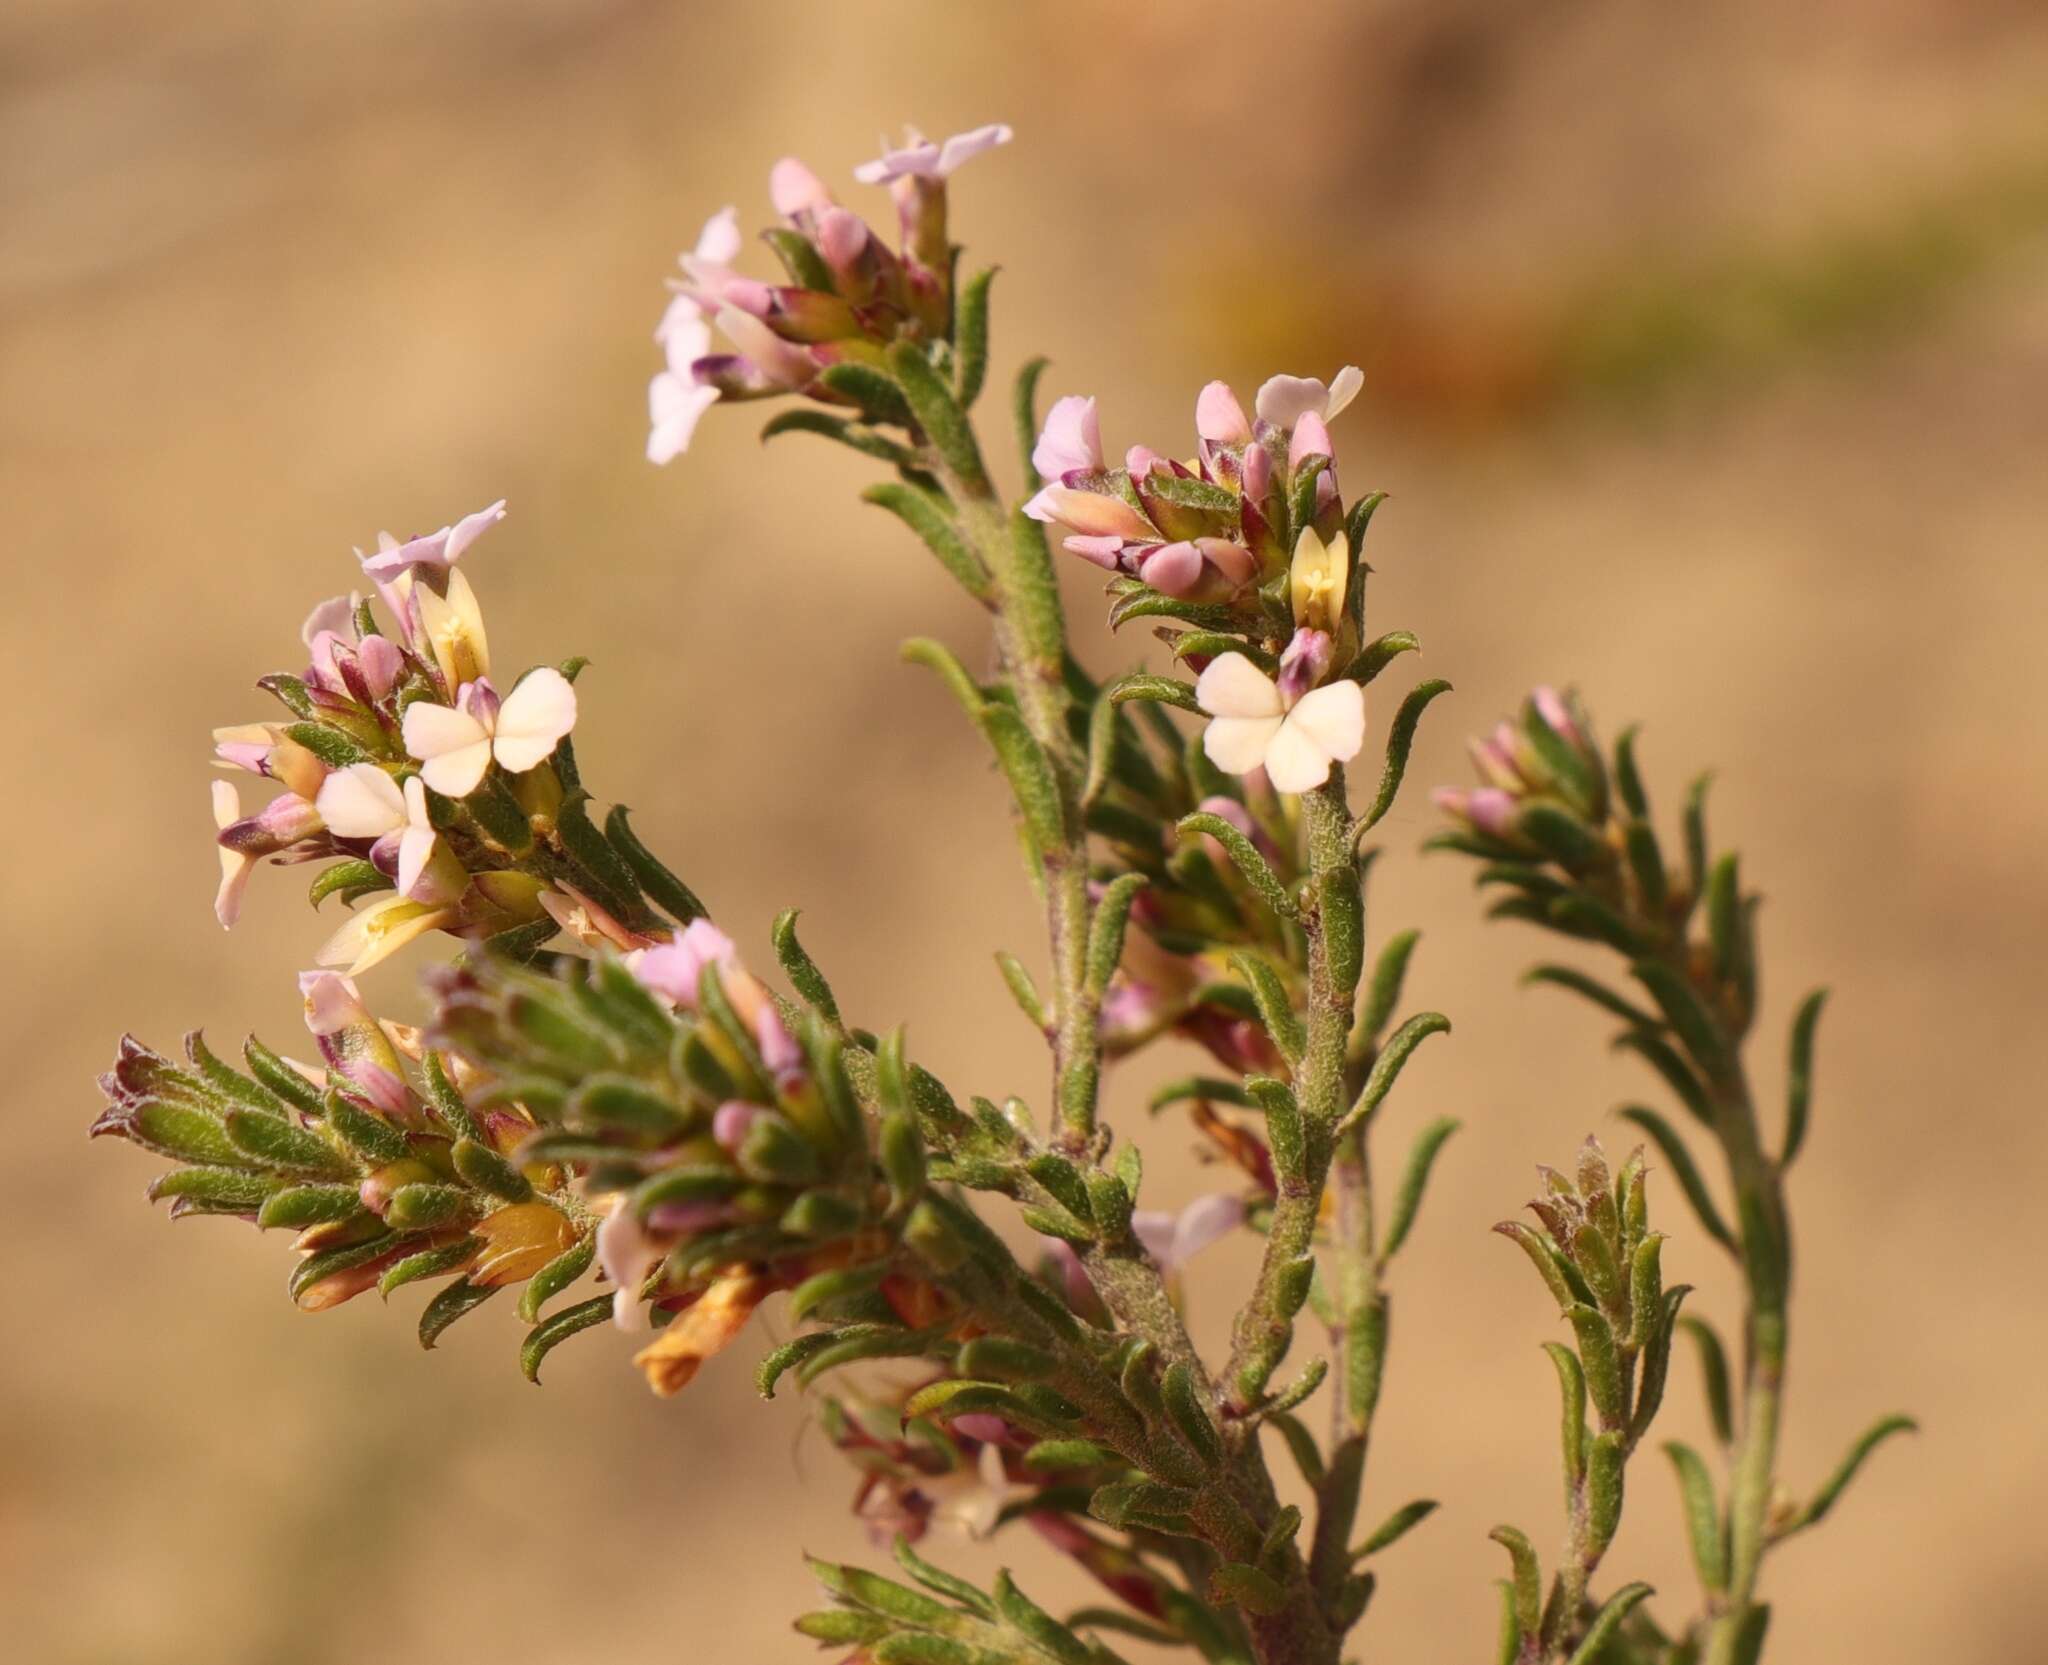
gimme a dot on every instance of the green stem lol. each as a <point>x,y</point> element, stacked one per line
<point>1302,1166</point>
<point>1766,1257</point>
<point>1031,640</point>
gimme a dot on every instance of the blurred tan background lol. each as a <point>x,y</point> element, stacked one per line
<point>1707,355</point>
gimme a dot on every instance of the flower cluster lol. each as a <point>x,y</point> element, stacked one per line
<point>847,295</point>
<point>440,802</point>
<point>1251,534</point>
<point>1543,766</point>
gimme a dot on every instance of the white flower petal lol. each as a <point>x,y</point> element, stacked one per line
<point>1232,686</point>
<point>453,747</point>
<point>1237,745</point>
<point>1285,400</point>
<point>361,801</point>
<point>1334,718</point>
<point>674,408</point>
<point>1344,388</point>
<point>1294,762</point>
<point>415,850</point>
<point>533,719</point>
<point>227,805</point>
<point>720,238</point>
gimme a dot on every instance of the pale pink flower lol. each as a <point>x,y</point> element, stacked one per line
<point>673,969</point>
<point>676,400</point>
<point>377,930</point>
<point>794,189</point>
<point>1219,418</point>
<point>1172,1240</point>
<point>235,866</point>
<point>1070,442</point>
<point>352,1043</point>
<point>628,1252</point>
<point>439,550</point>
<point>921,158</point>
<point>1285,400</point>
<point>455,745</point>
<point>363,801</point>
<point>1254,726</point>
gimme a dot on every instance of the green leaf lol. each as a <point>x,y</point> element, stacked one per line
<point>220,1190</point>
<point>1414,1178</point>
<point>1817,1507</point>
<point>1389,975</point>
<point>1714,1374</point>
<point>1244,856</point>
<point>800,258</point>
<point>1190,1416</point>
<point>301,1206</point>
<point>1608,1620</point>
<point>1558,1274</point>
<point>1696,835</point>
<point>1597,1356</point>
<point>276,1143</point>
<point>1378,654</point>
<point>857,436</point>
<point>1702,1515</point>
<point>1724,917</point>
<point>1684,1171</point>
<point>1276,1011</point>
<point>485,1170</point>
<point>1395,1527</point>
<point>267,1067</point>
<point>668,892</point>
<point>351,878</point>
<point>1677,1074</point>
<point>802,972</point>
<point>332,747</point>
<point>1646,861</point>
<point>456,1301</point>
<point>1627,780</point>
<point>1799,1074</point>
<point>880,400</point>
<point>1106,931</point>
<point>970,338</point>
<point>1234,1584</point>
<point>1024,414</point>
<point>545,1337</point>
<point>1606,1458</point>
<point>1301,1446</point>
<point>939,415</point>
<point>943,1583</point>
<point>1564,977</point>
<point>422,1207</point>
<point>1571,1387</point>
<point>1528,1577</point>
<point>1204,1088</point>
<point>1394,1056</point>
<point>1400,738</point>
<point>932,522</point>
<point>557,1276</point>
<point>1030,772</point>
<point>371,1137</point>
<point>1022,989</point>
<point>1562,835</point>
<point>429,1263</point>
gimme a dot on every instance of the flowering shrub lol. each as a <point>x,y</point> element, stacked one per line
<point>609,1112</point>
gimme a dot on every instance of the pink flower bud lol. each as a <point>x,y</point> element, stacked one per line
<point>1311,439</point>
<point>795,190</point>
<point>1551,707</point>
<point>842,239</point>
<point>1219,418</point>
